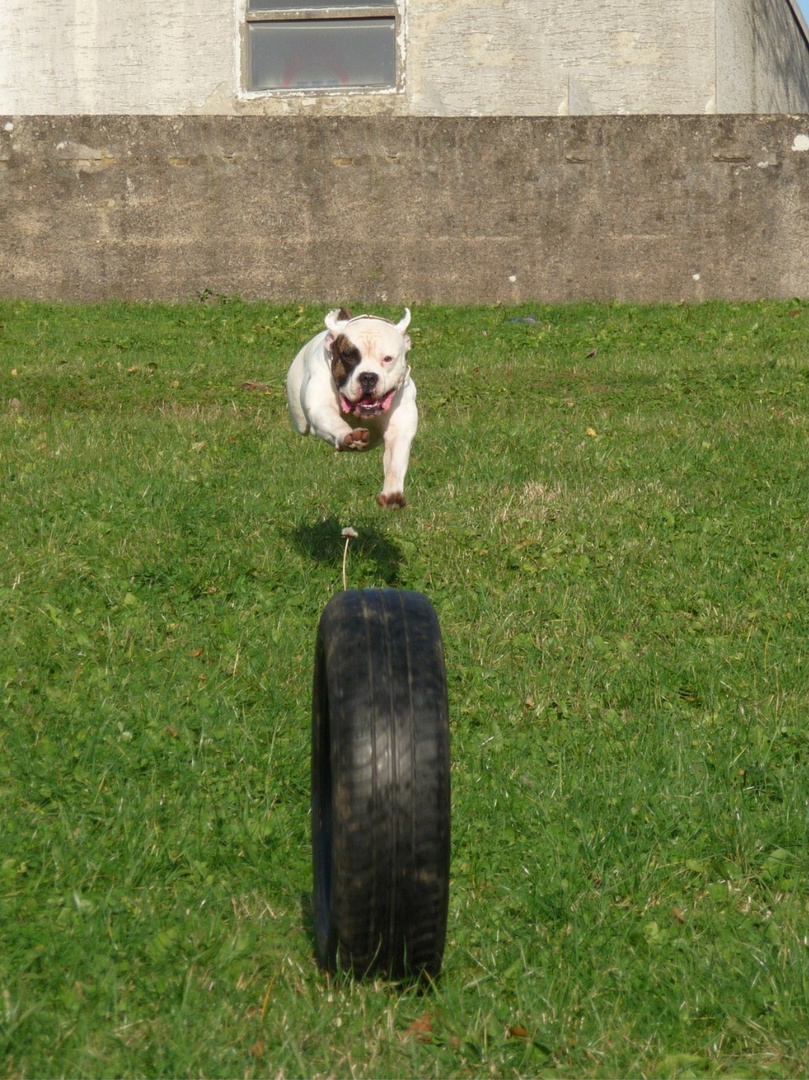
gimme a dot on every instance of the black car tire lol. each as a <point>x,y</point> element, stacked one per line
<point>380,785</point>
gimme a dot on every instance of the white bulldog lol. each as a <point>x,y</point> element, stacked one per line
<point>351,386</point>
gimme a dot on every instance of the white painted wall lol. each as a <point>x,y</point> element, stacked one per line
<point>113,56</point>
<point>761,58</point>
<point>461,58</point>
<point>560,56</point>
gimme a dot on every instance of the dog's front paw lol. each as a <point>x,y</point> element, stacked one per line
<point>393,501</point>
<point>356,439</point>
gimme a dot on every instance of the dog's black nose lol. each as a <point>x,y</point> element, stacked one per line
<point>368,380</point>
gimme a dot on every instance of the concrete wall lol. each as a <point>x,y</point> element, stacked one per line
<point>459,58</point>
<point>405,209</point>
<point>762,58</point>
<point>125,56</point>
<point>561,57</point>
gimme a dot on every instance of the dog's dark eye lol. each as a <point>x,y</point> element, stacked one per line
<point>388,359</point>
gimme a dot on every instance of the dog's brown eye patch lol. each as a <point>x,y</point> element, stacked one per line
<point>344,358</point>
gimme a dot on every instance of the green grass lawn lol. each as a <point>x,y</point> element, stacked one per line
<point>607,507</point>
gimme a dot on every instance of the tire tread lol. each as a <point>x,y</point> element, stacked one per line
<point>380,691</point>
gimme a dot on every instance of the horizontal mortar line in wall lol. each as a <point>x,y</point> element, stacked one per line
<point>302,14</point>
<point>657,237</point>
<point>87,164</point>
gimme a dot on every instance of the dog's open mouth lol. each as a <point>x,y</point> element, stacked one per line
<point>367,405</point>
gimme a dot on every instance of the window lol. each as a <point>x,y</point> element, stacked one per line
<point>326,45</point>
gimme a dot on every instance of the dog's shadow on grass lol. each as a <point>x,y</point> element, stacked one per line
<point>324,543</point>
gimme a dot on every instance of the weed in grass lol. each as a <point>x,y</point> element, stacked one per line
<point>607,510</point>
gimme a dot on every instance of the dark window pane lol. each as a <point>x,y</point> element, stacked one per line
<point>290,5</point>
<point>320,53</point>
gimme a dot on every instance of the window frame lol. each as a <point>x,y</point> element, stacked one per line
<point>358,9</point>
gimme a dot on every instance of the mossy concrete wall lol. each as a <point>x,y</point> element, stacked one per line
<point>405,209</point>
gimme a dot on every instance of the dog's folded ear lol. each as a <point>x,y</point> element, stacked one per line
<point>403,324</point>
<point>336,320</point>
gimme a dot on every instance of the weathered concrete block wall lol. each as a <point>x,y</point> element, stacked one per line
<point>459,210</point>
